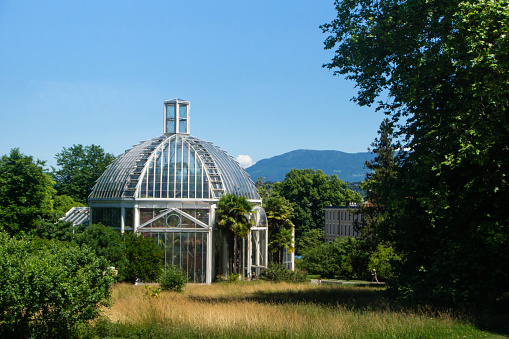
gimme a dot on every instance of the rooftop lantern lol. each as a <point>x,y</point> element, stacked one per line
<point>176,117</point>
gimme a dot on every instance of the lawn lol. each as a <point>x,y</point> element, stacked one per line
<point>266,310</point>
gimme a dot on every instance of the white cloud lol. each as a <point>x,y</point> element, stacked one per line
<point>244,160</point>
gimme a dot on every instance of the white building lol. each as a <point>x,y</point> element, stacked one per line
<point>340,221</point>
<point>167,188</point>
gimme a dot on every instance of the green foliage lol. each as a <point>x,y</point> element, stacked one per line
<point>232,218</point>
<point>383,259</point>
<point>144,258</point>
<point>49,288</point>
<point>63,203</point>
<point>26,191</point>
<point>443,67</point>
<point>345,258</point>
<point>80,167</point>
<point>62,230</point>
<point>278,273</point>
<point>309,191</point>
<point>310,240</point>
<point>279,214</point>
<point>152,291</point>
<point>107,243</point>
<point>173,278</point>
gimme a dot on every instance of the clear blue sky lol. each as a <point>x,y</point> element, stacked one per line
<point>97,72</point>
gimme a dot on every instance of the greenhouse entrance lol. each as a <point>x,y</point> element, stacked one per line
<point>184,240</point>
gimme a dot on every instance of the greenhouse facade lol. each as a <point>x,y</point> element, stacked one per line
<point>167,188</point>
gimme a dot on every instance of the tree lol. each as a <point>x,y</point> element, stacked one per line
<point>344,258</point>
<point>79,168</point>
<point>232,218</point>
<point>379,187</point>
<point>310,240</point>
<point>279,214</point>
<point>49,288</point>
<point>443,66</point>
<point>107,243</point>
<point>309,191</point>
<point>144,258</point>
<point>63,203</point>
<point>26,192</point>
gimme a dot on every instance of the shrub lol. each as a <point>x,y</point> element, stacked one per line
<point>382,259</point>
<point>173,278</point>
<point>107,243</point>
<point>49,288</point>
<point>278,273</point>
<point>145,258</point>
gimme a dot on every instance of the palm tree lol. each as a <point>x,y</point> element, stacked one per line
<point>279,212</point>
<point>232,218</point>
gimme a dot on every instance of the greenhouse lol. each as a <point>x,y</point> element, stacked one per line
<point>167,188</point>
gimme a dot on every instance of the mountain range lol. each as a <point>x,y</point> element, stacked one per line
<point>349,167</point>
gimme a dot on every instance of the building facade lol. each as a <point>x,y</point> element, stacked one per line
<point>167,188</point>
<point>340,221</point>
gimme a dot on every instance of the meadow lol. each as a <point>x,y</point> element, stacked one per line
<point>268,310</point>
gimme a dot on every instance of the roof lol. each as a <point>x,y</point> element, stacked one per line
<point>78,216</point>
<point>176,166</point>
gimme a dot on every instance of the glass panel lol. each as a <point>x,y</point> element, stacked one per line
<point>170,111</point>
<point>128,222</point>
<point>182,111</point>
<point>145,215</point>
<point>182,125</point>
<point>108,216</point>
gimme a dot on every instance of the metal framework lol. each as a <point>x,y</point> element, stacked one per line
<point>167,188</point>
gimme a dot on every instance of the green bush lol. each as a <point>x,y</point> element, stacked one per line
<point>107,243</point>
<point>49,288</point>
<point>383,259</point>
<point>345,258</point>
<point>144,258</point>
<point>278,273</point>
<point>173,278</point>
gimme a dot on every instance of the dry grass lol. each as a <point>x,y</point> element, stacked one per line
<point>277,310</point>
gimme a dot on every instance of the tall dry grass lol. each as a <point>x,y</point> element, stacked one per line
<point>277,310</point>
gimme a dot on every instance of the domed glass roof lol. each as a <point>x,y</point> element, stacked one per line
<point>174,166</point>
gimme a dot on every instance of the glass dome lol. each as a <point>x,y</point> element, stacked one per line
<point>167,189</point>
<point>176,166</point>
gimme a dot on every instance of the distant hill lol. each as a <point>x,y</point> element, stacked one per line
<point>349,167</point>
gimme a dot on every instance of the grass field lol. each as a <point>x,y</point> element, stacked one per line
<point>266,310</point>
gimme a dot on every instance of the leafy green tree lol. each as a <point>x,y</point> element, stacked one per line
<point>48,289</point>
<point>79,168</point>
<point>383,260</point>
<point>279,214</point>
<point>26,192</point>
<point>63,203</point>
<point>309,191</point>
<point>107,243</point>
<point>309,240</point>
<point>442,68</point>
<point>380,185</point>
<point>344,258</point>
<point>144,258</point>
<point>232,218</point>
<point>265,189</point>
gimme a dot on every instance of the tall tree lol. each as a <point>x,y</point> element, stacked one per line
<point>379,187</point>
<point>442,66</point>
<point>232,217</point>
<point>309,191</point>
<point>26,192</point>
<point>79,168</point>
<point>279,214</point>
